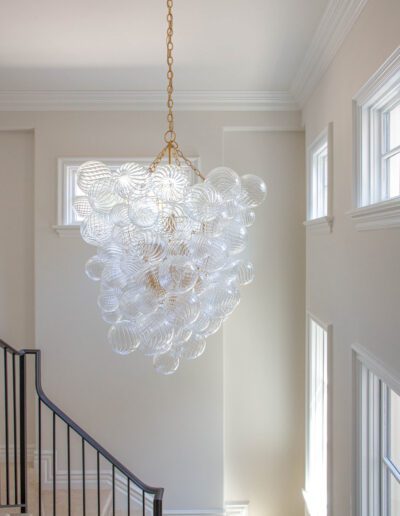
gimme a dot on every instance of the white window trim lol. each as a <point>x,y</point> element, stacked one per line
<point>320,224</point>
<point>383,214</point>
<point>368,492</point>
<point>64,186</point>
<point>329,330</point>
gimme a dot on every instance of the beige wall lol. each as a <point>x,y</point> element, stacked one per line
<point>353,278</point>
<point>264,340</point>
<point>169,430</point>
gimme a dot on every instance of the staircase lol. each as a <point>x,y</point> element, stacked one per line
<point>66,472</point>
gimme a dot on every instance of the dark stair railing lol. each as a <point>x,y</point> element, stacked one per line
<point>14,488</point>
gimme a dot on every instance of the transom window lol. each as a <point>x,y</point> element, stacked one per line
<point>377,136</point>
<point>319,179</point>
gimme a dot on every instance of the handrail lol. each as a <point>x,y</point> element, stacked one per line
<point>156,491</point>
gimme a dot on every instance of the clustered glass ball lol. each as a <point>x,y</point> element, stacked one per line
<point>168,253</point>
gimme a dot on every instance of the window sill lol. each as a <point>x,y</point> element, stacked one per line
<point>320,225</point>
<point>381,215</point>
<point>67,231</point>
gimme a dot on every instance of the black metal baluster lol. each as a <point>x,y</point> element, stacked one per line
<point>40,456</point>
<point>54,464</point>
<point>6,425</point>
<point>69,469</point>
<point>22,434</point>
<point>143,503</point>
<point>15,431</point>
<point>129,497</point>
<point>98,483</point>
<point>113,490</point>
<point>83,478</point>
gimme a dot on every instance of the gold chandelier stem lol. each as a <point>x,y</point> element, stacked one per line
<point>171,148</point>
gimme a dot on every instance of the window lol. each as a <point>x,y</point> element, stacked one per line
<point>317,417</point>
<point>67,220</point>
<point>319,178</point>
<point>378,429</point>
<point>377,148</point>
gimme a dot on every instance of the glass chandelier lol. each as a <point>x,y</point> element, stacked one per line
<point>168,246</point>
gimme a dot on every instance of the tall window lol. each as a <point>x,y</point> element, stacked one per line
<point>378,424</point>
<point>316,489</point>
<point>377,135</point>
<point>319,179</point>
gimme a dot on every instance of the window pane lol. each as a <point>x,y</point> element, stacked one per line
<point>394,127</point>
<point>319,197</point>
<point>394,497</point>
<point>395,429</point>
<point>316,485</point>
<point>392,168</point>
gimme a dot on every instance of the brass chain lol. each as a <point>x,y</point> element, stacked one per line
<point>172,148</point>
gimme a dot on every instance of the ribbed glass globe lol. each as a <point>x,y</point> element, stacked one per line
<point>168,254</point>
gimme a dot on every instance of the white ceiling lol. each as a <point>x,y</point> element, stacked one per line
<point>248,45</point>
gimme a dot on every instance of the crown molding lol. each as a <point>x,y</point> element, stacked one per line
<point>75,100</point>
<point>336,22</point>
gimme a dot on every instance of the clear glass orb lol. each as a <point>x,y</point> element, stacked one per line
<point>174,221</point>
<point>166,364</point>
<point>102,197</point>
<point>119,215</point>
<point>254,191</point>
<point>244,271</point>
<point>131,180</point>
<point>181,334</point>
<point>135,301</point>
<point>214,228</point>
<point>213,327</point>
<point>216,256</point>
<point>108,300</point>
<point>225,181</point>
<point>202,322</point>
<point>235,237</point>
<point>149,246</point>
<point>111,317</point>
<point>82,206</point>
<point>113,277</point>
<point>181,310</point>
<point>156,338</point>
<point>193,348</point>
<point>123,337</point>
<point>246,218</point>
<point>91,172</point>
<point>203,203</point>
<point>178,247</point>
<point>143,211</point>
<point>199,246</point>
<point>94,268</point>
<point>96,229</point>
<point>222,302</point>
<point>132,266</point>
<point>169,183</point>
<point>125,236</point>
<point>149,278</point>
<point>110,253</point>
<point>178,274</point>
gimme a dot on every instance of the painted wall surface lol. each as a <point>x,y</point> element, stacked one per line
<point>353,278</point>
<point>264,341</point>
<point>169,430</point>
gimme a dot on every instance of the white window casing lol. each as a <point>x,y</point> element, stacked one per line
<point>376,136</point>
<point>376,424</point>
<point>319,182</point>
<point>317,490</point>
